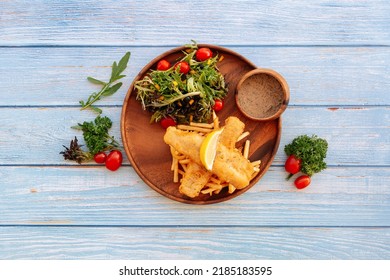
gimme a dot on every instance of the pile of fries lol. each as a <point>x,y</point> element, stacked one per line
<point>214,185</point>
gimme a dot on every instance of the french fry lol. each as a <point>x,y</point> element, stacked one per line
<point>242,136</point>
<point>175,170</point>
<point>207,191</point>
<point>194,128</point>
<point>215,180</point>
<point>256,163</point>
<point>184,161</point>
<point>246,149</point>
<point>181,172</point>
<point>204,125</point>
<point>215,121</point>
<point>231,189</point>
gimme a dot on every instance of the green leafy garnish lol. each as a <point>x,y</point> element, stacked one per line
<point>183,97</point>
<point>96,135</point>
<point>311,151</point>
<point>108,88</point>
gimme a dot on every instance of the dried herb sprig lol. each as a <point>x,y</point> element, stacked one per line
<point>74,152</point>
<point>108,88</point>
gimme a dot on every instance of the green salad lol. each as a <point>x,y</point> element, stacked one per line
<point>183,91</point>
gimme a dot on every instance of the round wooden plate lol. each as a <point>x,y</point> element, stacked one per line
<point>150,156</point>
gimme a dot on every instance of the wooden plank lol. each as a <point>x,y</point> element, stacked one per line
<point>41,132</point>
<point>194,243</point>
<point>327,76</point>
<point>128,22</point>
<point>354,196</point>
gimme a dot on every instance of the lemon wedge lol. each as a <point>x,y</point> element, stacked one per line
<point>208,149</point>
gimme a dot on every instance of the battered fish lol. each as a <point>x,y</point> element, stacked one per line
<point>194,180</point>
<point>229,164</point>
<point>185,142</point>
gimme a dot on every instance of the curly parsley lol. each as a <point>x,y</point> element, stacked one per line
<point>311,151</point>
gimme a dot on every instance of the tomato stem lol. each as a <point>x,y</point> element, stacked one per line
<point>289,176</point>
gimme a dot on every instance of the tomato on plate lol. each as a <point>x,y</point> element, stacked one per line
<point>114,160</point>
<point>302,181</point>
<point>184,67</point>
<point>218,105</point>
<point>203,54</point>
<point>100,157</point>
<point>167,122</point>
<point>163,65</point>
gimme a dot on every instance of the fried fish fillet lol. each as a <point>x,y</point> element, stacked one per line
<point>185,142</point>
<point>231,131</point>
<point>194,180</point>
<point>229,164</point>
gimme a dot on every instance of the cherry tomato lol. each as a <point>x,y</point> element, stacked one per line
<point>163,65</point>
<point>218,105</point>
<point>167,121</point>
<point>184,67</point>
<point>100,157</point>
<point>114,160</point>
<point>292,165</point>
<point>302,182</point>
<point>203,54</point>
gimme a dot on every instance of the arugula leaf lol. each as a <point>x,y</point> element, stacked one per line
<point>109,88</point>
<point>117,69</point>
<point>96,81</point>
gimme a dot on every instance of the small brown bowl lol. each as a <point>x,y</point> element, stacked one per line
<point>262,94</point>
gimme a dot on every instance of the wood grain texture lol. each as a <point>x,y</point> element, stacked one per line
<point>36,135</point>
<point>138,23</point>
<point>326,76</point>
<point>335,56</point>
<point>357,196</point>
<point>193,243</point>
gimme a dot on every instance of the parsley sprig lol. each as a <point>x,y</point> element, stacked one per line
<point>311,151</point>
<point>96,135</point>
<point>108,88</point>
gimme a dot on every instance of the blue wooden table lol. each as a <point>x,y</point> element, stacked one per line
<point>335,55</point>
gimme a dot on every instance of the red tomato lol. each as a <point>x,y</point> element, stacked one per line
<point>167,121</point>
<point>302,182</point>
<point>100,157</point>
<point>114,160</point>
<point>163,65</point>
<point>292,165</point>
<point>203,54</point>
<point>184,67</point>
<point>218,105</point>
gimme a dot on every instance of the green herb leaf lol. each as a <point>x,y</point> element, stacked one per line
<point>117,69</point>
<point>112,90</point>
<point>96,109</point>
<point>96,135</point>
<point>96,81</point>
<point>311,151</point>
<point>109,88</point>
